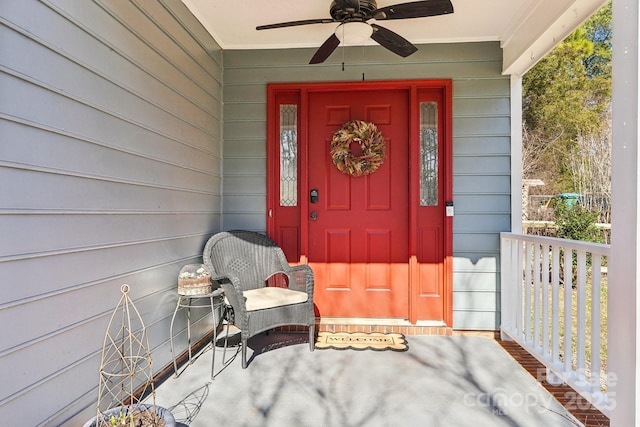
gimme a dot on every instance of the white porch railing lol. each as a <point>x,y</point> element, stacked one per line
<point>553,306</point>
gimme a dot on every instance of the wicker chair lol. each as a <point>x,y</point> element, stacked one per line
<point>242,262</point>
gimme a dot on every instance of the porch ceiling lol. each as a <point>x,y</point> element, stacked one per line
<point>526,29</point>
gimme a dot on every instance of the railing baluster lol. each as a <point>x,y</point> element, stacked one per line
<point>517,280</point>
<point>536,295</point>
<point>596,280</point>
<point>545,299</point>
<point>555,305</point>
<point>568,318</point>
<point>527,293</point>
<point>581,316</point>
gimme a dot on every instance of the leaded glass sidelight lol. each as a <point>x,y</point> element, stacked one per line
<point>428,154</point>
<point>288,155</point>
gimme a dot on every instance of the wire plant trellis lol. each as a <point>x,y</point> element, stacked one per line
<point>126,373</point>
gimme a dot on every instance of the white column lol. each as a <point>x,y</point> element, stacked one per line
<point>516,154</point>
<point>623,315</point>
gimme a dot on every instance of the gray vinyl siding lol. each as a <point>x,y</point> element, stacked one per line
<point>110,173</point>
<point>481,147</point>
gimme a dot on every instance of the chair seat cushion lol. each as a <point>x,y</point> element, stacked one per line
<point>268,297</point>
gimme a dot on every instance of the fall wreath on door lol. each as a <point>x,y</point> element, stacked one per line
<point>357,148</point>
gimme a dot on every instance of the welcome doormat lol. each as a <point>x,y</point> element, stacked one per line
<point>361,341</point>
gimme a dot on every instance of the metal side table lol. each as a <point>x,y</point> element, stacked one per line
<point>215,301</point>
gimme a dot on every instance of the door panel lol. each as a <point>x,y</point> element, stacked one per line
<point>358,243</point>
<point>429,249</point>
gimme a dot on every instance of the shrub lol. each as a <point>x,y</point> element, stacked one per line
<point>575,222</point>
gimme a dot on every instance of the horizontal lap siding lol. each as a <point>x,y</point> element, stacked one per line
<point>110,163</point>
<point>481,147</point>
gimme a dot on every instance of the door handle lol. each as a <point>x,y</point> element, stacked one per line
<point>314,215</point>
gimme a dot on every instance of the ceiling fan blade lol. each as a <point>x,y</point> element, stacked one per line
<point>325,50</point>
<point>416,9</point>
<point>392,41</point>
<point>295,23</point>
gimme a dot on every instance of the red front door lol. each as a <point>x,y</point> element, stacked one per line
<point>380,245</point>
<point>359,226</point>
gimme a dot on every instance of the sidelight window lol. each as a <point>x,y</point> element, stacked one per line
<point>428,154</point>
<point>288,155</point>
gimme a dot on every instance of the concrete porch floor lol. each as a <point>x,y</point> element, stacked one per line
<point>439,381</point>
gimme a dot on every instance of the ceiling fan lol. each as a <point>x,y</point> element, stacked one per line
<point>356,14</point>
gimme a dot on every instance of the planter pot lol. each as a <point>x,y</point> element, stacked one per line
<point>164,414</point>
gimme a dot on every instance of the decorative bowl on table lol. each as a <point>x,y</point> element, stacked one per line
<point>194,279</point>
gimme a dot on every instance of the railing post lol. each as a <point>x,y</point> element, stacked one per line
<point>506,288</point>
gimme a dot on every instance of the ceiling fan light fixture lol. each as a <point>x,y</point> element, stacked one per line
<point>353,33</point>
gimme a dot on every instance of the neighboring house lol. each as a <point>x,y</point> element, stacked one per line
<point>128,136</point>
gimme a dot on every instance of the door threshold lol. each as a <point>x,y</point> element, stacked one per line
<point>374,321</point>
<point>370,325</point>
<point>362,321</point>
